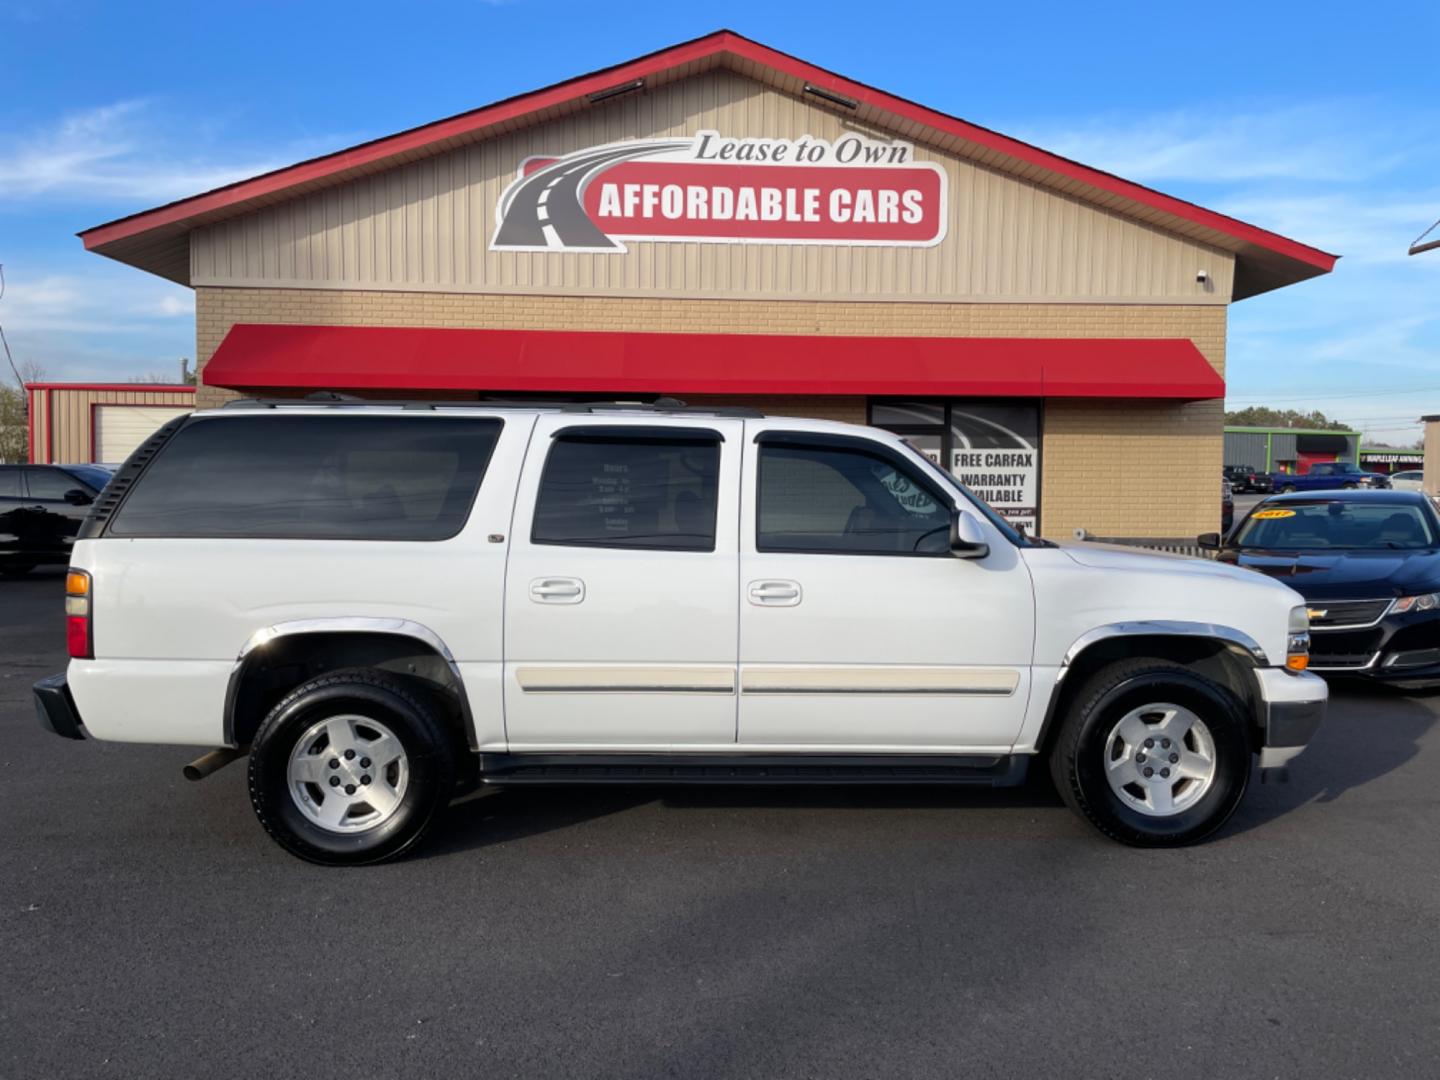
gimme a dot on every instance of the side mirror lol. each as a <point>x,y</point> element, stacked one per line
<point>967,539</point>
<point>1208,541</point>
<point>76,497</point>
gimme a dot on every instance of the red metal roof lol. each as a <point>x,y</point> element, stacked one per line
<point>261,356</point>
<point>143,388</point>
<point>1295,260</point>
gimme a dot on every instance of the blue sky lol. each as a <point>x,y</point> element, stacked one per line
<point>1320,121</point>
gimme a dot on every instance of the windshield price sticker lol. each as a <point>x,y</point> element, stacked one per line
<point>1270,515</point>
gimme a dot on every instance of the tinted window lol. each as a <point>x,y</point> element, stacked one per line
<point>629,493</point>
<point>49,485</point>
<point>849,502</point>
<point>1337,524</point>
<point>92,475</point>
<point>313,477</point>
<point>9,483</point>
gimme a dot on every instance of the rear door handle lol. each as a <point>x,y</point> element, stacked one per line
<point>774,593</point>
<point>557,590</point>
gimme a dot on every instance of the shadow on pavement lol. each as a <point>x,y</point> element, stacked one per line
<point>1368,733</point>
<point>499,815</point>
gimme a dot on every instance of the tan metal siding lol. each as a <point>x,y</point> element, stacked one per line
<point>70,413</point>
<point>426,226</point>
<point>40,426</point>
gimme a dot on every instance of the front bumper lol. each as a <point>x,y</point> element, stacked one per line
<point>1292,708</point>
<point>56,708</point>
<point>1400,650</point>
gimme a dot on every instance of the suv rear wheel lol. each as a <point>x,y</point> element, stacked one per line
<point>1152,754</point>
<point>351,768</point>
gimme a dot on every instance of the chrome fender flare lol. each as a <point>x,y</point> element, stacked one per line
<point>1236,639</point>
<point>347,624</point>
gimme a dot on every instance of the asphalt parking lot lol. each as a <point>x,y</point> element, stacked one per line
<point>149,928</point>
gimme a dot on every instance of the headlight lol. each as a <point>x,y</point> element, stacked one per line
<point>1297,644</point>
<point>1424,602</point>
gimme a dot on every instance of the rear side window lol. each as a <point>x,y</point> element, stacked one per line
<point>313,477</point>
<point>49,485</point>
<point>626,492</point>
<point>9,483</point>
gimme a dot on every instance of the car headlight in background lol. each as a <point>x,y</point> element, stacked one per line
<point>1297,644</point>
<point>1424,602</point>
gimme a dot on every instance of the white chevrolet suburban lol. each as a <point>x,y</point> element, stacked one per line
<point>381,603</point>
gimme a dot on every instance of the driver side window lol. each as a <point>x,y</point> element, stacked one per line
<point>842,501</point>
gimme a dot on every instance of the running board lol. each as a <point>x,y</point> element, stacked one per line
<point>681,768</point>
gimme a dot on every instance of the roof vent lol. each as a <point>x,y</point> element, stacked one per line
<point>614,91</point>
<point>831,96</point>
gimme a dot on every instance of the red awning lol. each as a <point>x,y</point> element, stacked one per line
<point>257,357</point>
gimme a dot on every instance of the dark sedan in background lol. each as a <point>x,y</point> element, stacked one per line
<point>41,508</point>
<point>1368,564</point>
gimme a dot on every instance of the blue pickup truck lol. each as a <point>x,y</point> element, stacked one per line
<point>1327,475</point>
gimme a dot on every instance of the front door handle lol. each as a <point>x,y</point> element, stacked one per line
<point>557,590</point>
<point>774,593</point>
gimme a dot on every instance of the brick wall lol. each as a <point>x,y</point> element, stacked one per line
<point>1115,467</point>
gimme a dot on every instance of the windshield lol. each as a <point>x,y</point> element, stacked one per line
<point>1332,524</point>
<point>96,477</point>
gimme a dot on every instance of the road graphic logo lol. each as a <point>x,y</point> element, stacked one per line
<point>854,191</point>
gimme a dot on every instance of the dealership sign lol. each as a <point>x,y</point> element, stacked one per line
<point>995,452</point>
<point>852,191</point>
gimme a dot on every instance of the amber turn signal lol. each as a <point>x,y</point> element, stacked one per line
<point>77,583</point>
<point>1298,662</point>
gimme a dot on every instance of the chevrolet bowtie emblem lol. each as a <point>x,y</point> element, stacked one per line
<point>1317,612</point>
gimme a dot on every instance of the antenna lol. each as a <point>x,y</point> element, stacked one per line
<point>1421,244</point>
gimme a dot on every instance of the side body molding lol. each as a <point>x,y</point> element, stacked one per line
<point>349,624</point>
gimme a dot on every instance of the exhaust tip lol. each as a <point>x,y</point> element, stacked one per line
<point>206,764</point>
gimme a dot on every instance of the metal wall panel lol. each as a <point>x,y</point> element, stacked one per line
<point>1246,448</point>
<point>64,426</point>
<point>427,225</point>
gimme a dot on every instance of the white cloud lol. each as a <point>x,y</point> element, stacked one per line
<point>173,304</point>
<point>1340,141</point>
<point>1357,177</point>
<point>1374,225</point>
<point>106,323</point>
<point>115,152</point>
<point>102,301</point>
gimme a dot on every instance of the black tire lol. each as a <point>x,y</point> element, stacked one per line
<point>1287,488</point>
<point>431,750</point>
<point>15,570</point>
<point>1077,758</point>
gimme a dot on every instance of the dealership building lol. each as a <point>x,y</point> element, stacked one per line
<point>724,223</point>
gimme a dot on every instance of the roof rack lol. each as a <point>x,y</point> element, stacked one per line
<point>331,399</point>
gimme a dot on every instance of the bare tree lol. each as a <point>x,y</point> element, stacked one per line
<point>187,376</point>
<point>14,418</point>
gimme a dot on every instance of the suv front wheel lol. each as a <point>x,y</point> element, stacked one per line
<point>351,768</point>
<point>1152,754</point>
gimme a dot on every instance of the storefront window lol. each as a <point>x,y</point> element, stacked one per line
<point>992,447</point>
